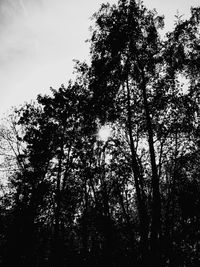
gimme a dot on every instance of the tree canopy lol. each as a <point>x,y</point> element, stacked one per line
<point>73,198</point>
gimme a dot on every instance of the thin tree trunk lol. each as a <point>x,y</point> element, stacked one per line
<point>139,192</point>
<point>57,247</point>
<point>156,202</point>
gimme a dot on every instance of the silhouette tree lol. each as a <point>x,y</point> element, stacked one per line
<point>72,199</point>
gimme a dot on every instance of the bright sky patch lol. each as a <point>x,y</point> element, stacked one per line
<point>104,133</point>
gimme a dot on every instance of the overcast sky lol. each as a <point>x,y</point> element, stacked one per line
<point>40,38</point>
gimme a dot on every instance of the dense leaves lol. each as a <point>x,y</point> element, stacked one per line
<point>70,197</point>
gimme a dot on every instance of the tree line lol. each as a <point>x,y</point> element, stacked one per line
<point>69,198</point>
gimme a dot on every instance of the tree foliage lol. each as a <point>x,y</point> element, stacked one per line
<point>74,199</point>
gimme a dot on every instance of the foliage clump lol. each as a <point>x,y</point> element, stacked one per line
<point>72,199</point>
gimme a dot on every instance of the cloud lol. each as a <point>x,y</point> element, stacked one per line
<point>39,39</point>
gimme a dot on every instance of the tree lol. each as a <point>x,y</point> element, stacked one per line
<point>73,199</point>
<point>133,77</point>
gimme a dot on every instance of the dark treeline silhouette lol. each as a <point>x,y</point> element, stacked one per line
<point>70,198</point>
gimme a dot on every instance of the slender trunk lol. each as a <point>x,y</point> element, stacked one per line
<point>105,194</point>
<point>170,210</point>
<point>129,226</point>
<point>156,202</point>
<point>57,248</point>
<point>85,232</point>
<point>139,192</point>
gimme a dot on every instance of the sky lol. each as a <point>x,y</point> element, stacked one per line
<point>40,38</point>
